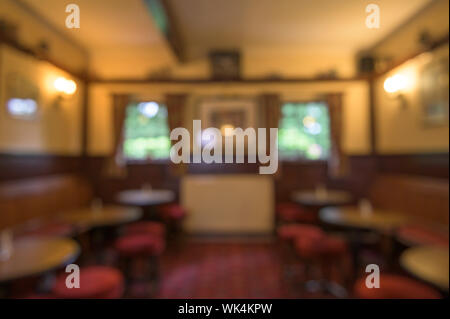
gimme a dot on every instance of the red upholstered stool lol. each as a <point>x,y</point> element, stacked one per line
<point>95,282</point>
<point>323,252</point>
<point>291,213</point>
<point>412,235</point>
<point>395,287</point>
<point>140,244</point>
<point>143,247</point>
<point>289,232</point>
<point>146,227</point>
<point>172,212</point>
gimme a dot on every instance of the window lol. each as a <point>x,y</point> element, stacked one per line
<point>146,131</point>
<point>304,131</point>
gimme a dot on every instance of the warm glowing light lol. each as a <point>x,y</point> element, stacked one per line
<point>63,85</point>
<point>224,131</point>
<point>395,83</point>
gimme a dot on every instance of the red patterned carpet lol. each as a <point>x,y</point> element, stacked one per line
<point>243,269</point>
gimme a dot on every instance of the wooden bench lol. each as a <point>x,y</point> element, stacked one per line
<point>425,198</point>
<point>41,197</point>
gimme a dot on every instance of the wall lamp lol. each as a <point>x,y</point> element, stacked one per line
<point>395,85</point>
<point>64,88</point>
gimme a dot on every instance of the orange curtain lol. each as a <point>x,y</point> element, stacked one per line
<point>175,104</point>
<point>338,161</point>
<point>271,107</point>
<point>115,165</point>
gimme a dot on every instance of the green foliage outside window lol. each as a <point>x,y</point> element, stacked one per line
<point>304,131</point>
<point>146,134</point>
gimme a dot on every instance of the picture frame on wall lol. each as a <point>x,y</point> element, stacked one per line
<point>22,97</point>
<point>223,112</point>
<point>227,111</point>
<point>225,65</point>
<point>433,88</point>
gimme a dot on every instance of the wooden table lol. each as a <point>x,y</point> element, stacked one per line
<point>429,263</point>
<point>381,220</point>
<point>143,197</point>
<point>102,217</point>
<point>33,256</point>
<point>322,198</point>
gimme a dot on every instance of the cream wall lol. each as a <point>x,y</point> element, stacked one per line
<point>402,130</point>
<point>56,129</point>
<point>284,62</point>
<point>356,105</point>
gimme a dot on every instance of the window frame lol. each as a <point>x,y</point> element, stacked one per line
<point>304,160</point>
<point>148,160</point>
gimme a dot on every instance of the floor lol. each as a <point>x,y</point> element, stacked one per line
<point>229,269</point>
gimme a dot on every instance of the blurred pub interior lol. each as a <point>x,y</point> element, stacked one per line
<point>363,137</point>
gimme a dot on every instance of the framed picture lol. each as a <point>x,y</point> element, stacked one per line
<point>227,112</point>
<point>220,112</point>
<point>225,65</point>
<point>433,86</point>
<point>22,97</point>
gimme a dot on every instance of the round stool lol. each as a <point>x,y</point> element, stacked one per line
<point>146,227</point>
<point>291,213</point>
<point>290,232</point>
<point>323,252</point>
<point>412,235</point>
<point>96,282</point>
<point>141,246</point>
<point>395,287</point>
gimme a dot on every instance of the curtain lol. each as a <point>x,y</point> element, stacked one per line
<point>115,163</point>
<point>175,104</point>
<point>271,108</point>
<point>337,162</point>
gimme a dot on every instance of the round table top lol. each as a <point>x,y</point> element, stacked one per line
<point>429,263</point>
<point>354,217</point>
<point>322,198</point>
<point>143,197</point>
<point>102,216</point>
<point>422,234</point>
<point>32,256</point>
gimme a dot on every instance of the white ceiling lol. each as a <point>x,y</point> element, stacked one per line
<point>123,40</point>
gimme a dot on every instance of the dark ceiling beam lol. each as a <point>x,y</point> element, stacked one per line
<point>163,15</point>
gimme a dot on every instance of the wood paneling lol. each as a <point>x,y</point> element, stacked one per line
<point>13,167</point>
<point>433,165</point>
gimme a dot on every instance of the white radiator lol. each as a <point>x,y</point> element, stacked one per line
<point>228,204</point>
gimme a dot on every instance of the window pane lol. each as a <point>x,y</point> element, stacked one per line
<point>304,131</point>
<point>146,131</point>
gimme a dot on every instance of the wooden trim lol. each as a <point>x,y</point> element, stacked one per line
<point>438,43</point>
<point>194,81</point>
<point>372,118</point>
<point>174,36</point>
<point>82,76</point>
<point>85,121</point>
